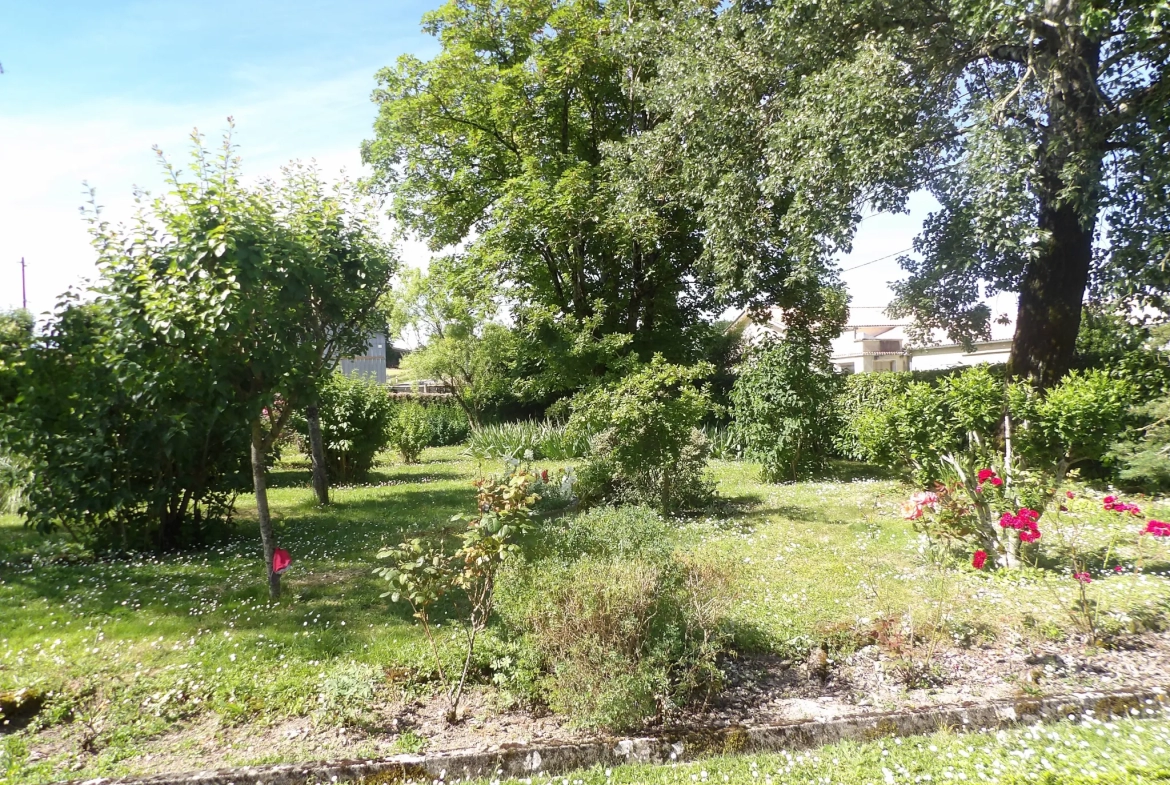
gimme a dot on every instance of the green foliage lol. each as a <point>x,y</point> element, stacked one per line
<point>218,304</point>
<point>410,430</point>
<point>1070,424</point>
<point>1075,421</point>
<point>785,122</point>
<point>449,424</point>
<point>420,574</point>
<point>914,429</point>
<point>451,312</point>
<point>625,629</point>
<point>1145,457</point>
<point>860,395</point>
<point>783,404</point>
<point>724,442</point>
<point>355,415</point>
<point>527,439</point>
<point>15,478</point>
<point>646,440</point>
<point>131,442</point>
<point>1112,342</point>
<point>507,144</point>
<point>347,692</point>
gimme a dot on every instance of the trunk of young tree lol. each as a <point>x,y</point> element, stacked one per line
<point>259,483</point>
<point>1053,289</point>
<point>317,449</point>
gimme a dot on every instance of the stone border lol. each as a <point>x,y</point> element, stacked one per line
<point>524,761</point>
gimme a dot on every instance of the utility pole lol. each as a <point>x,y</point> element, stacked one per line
<point>23,287</point>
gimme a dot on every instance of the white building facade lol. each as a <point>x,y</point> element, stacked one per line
<point>873,342</point>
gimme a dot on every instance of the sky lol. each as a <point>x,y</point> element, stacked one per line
<point>88,88</point>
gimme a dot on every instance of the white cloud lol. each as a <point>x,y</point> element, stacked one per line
<point>46,157</point>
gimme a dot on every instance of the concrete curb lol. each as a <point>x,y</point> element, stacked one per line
<point>558,758</point>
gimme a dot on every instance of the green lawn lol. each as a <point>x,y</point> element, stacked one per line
<point>126,650</point>
<point>1089,750</point>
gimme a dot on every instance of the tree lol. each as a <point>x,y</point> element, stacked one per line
<point>259,291</point>
<point>507,144</point>
<point>1035,125</point>
<point>463,348</point>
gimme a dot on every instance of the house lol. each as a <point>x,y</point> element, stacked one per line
<point>372,363</point>
<point>873,341</point>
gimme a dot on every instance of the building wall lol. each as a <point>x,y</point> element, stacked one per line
<point>942,357</point>
<point>372,363</point>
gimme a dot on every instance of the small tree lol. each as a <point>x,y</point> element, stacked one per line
<point>420,574</point>
<point>265,287</point>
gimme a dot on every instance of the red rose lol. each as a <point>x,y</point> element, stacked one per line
<point>996,481</point>
<point>985,475</point>
<point>979,559</point>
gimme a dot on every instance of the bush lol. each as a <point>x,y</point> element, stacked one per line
<point>1072,423</point>
<point>861,394</point>
<point>410,431</point>
<point>913,430</point>
<point>783,406</point>
<point>355,414</point>
<point>623,628</point>
<point>529,439</point>
<point>128,449</point>
<point>647,446</point>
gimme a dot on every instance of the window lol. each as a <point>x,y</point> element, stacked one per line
<point>889,346</point>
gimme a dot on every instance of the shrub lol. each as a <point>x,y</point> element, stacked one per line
<point>420,574</point>
<point>860,395</point>
<point>355,414</point>
<point>410,431</point>
<point>783,405</point>
<point>624,628</point>
<point>647,446</point>
<point>916,428</point>
<point>1075,421</point>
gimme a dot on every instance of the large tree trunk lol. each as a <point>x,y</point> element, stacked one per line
<point>1053,289</point>
<point>1051,299</point>
<point>267,539</point>
<point>317,448</point>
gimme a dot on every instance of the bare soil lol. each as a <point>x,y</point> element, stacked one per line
<point>759,690</point>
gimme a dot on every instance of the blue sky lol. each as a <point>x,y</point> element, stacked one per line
<point>89,87</point>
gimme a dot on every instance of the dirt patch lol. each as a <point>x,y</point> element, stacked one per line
<point>760,690</point>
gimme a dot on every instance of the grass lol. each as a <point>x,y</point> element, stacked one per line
<point>126,650</point>
<point>1102,751</point>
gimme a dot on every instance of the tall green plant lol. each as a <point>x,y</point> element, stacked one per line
<point>783,404</point>
<point>247,295</point>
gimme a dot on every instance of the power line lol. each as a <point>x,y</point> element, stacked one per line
<point>880,258</point>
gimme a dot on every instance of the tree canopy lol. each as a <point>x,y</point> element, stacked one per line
<point>508,146</point>
<point>1042,128</point>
